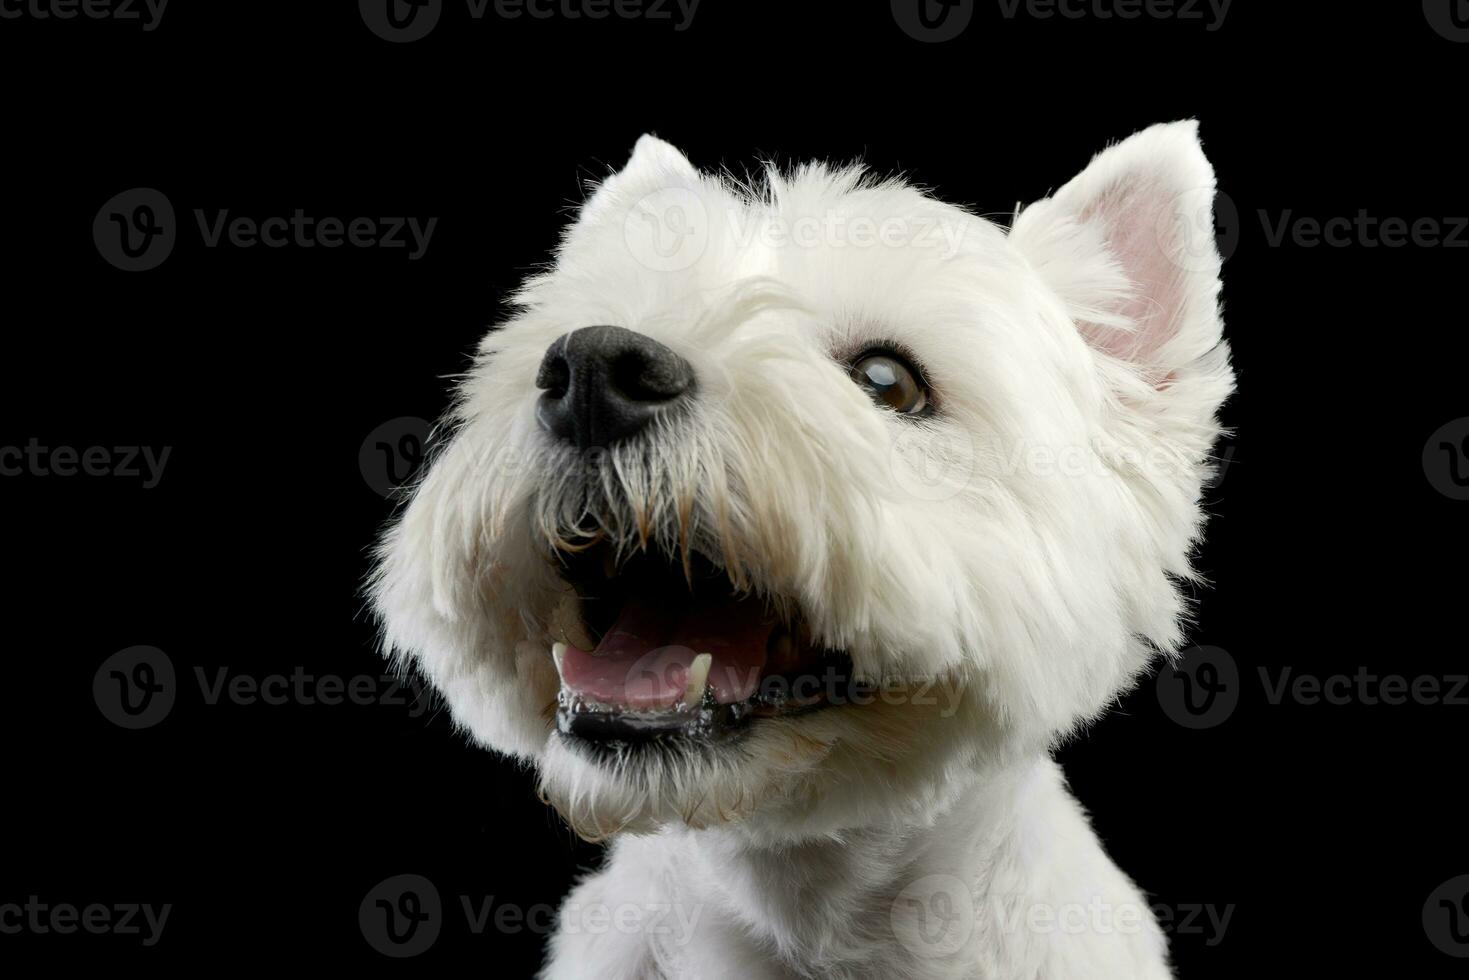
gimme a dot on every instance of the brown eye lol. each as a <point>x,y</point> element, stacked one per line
<point>891,382</point>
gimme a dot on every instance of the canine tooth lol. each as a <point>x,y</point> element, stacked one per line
<point>558,653</point>
<point>698,678</point>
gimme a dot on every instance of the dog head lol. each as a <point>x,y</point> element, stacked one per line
<point>776,501</point>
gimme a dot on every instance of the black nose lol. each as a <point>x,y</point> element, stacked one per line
<point>605,384</point>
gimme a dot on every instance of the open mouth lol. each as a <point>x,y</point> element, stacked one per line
<point>655,649</point>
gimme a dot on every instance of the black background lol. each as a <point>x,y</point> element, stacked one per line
<point>1325,827</point>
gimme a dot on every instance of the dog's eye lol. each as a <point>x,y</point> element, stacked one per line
<point>891,382</point>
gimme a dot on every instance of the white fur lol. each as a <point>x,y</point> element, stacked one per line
<point>1021,550</point>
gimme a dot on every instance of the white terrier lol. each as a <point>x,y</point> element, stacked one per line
<point>789,524</point>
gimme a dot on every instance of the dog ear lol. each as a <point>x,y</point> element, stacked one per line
<point>655,166</point>
<point>1129,246</point>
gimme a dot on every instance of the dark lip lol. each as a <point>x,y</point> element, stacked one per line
<point>709,724</point>
<point>781,694</point>
<point>712,723</point>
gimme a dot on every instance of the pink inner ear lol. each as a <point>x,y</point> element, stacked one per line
<point>1141,228</point>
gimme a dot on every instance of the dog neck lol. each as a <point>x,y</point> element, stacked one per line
<point>955,893</point>
<point>974,814</point>
<point>857,896</point>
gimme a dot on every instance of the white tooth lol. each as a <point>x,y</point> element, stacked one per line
<point>698,677</point>
<point>558,653</point>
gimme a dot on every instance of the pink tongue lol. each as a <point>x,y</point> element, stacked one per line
<point>643,661</point>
